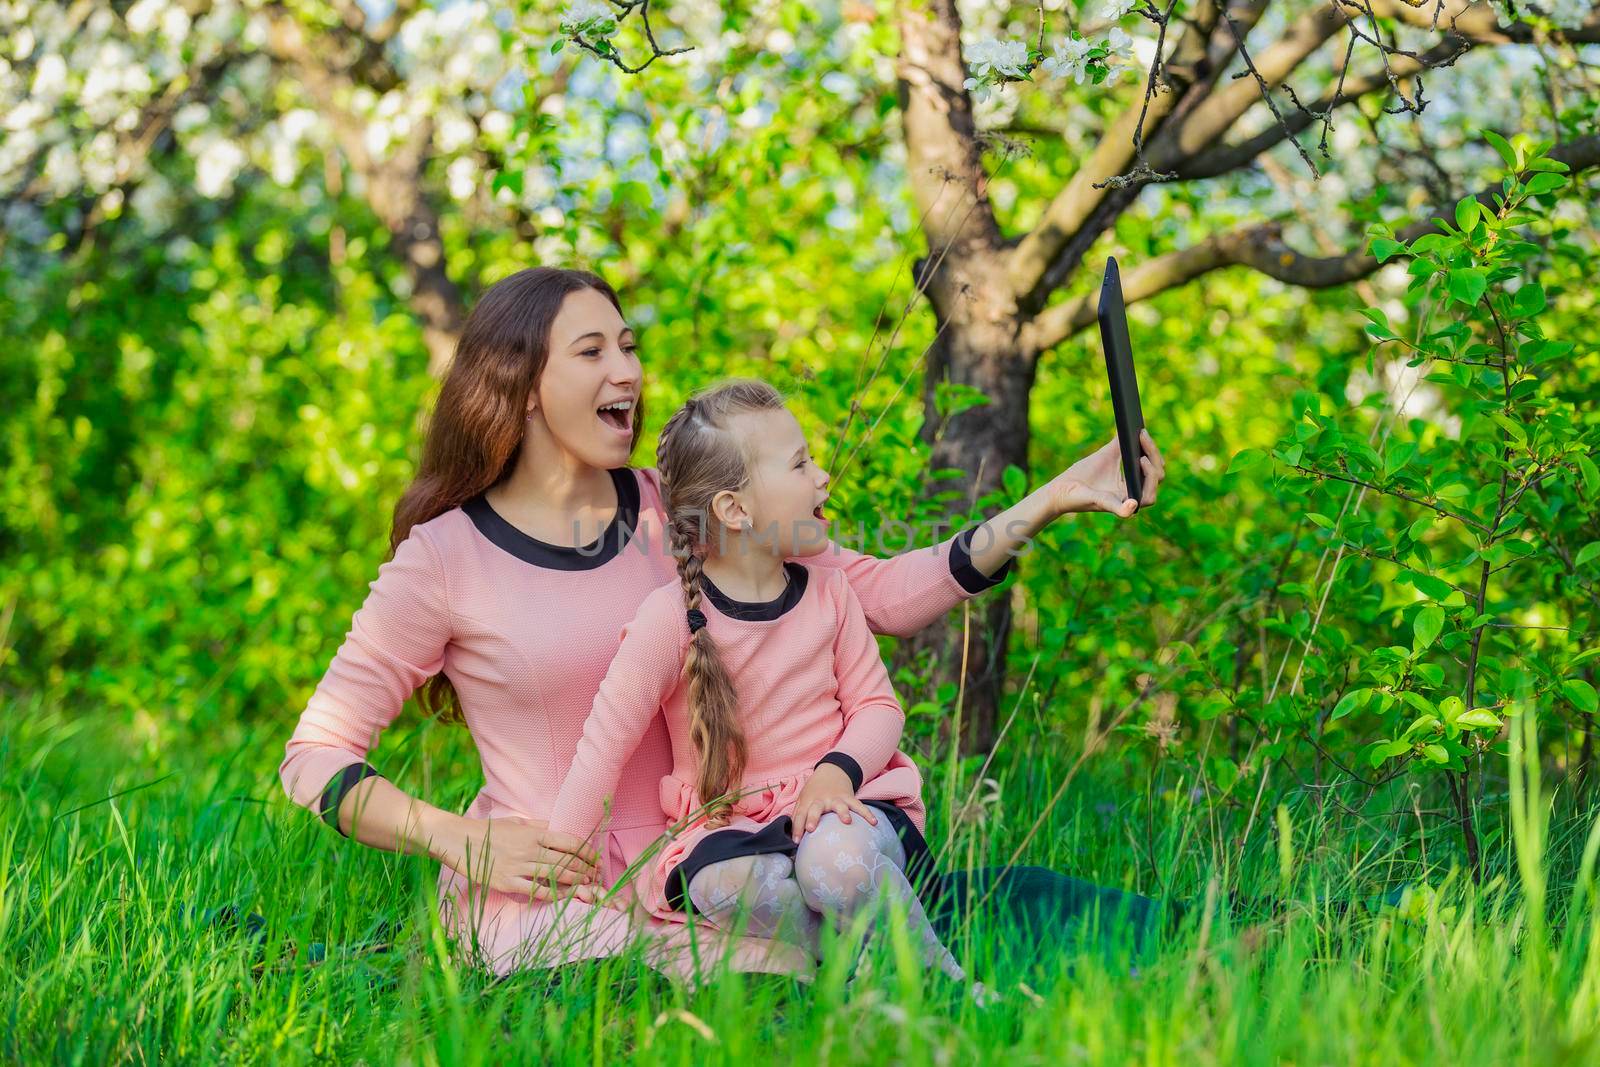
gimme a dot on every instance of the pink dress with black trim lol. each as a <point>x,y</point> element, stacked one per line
<point>811,684</point>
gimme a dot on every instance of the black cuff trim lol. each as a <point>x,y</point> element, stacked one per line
<point>971,578</point>
<point>845,763</point>
<point>342,783</point>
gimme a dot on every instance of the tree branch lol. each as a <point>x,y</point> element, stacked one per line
<point>1052,250</point>
<point>1273,65</point>
<point>1261,248</point>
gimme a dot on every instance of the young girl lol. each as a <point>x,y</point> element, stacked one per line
<point>784,726</point>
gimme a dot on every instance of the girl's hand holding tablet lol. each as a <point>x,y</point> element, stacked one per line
<point>1096,482</point>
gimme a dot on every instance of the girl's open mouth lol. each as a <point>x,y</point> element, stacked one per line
<point>618,415</point>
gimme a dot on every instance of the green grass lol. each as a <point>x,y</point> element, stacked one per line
<point>104,958</point>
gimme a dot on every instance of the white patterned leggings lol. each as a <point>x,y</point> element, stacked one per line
<point>838,869</point>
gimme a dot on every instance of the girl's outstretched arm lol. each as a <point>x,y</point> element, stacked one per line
<point>643,673</point>
<point>903,594</point>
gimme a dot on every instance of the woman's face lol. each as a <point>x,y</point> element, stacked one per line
<point>787,490</point>
<point>588,395</point>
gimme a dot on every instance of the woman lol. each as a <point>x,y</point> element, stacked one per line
<point>519,551</point>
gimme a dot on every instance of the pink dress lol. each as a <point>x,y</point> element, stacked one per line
<point>526,631</point>
<point>811,686</point>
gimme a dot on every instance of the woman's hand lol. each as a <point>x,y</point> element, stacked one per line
<point>520,856</point>
<point>828,789</point>
<point>1095,482</point>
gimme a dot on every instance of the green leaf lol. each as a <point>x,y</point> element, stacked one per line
<point>1479,718</point>
<point>1426,626</point>
<point>1582,695</point>
<point>1427,584</point>
<point>1436,753</point>
<point>1320,519</point>
<point>1418,702</point>
<point>1351,701</point>
<point>1378,327</point>
<point>1591,473</point>
<point>1420,527</point>
<point>1383,248</point>
<point>1545,183</point>
<point>1291,455</point>
<point>1586,553</point>
<point>1385,750</point>
<point>1502,146</point>
<point>1528,300</point>
<point>1467,284</point>
<point>1015,481</point>
<point>1246,459</point>
<point>1518,434</point>
<point>1467,212</point>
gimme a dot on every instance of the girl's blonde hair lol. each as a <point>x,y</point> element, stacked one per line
<point>700,456</point>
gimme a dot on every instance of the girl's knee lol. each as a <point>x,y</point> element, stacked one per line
<point>718,886</point>
<point>833,861</point>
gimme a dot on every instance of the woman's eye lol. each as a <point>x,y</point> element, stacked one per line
<point>590,352</point>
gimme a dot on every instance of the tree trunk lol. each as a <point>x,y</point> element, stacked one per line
<point>977,347</point>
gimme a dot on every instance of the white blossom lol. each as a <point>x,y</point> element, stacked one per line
<point>1005,57</point>
<point>496,125</point>
<point>1119,41</point>
<point>1115,9</point>
<point>580,13</point>
<point>50,78</point>
<point>463,177</point>
<point>217,162</point>
<point>978,90</point>
<point>144,16</point>
<point>1068,59</point>
<point>1570,14</point>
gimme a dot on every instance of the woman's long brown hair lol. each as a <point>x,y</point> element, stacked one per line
<point>699,456</point>
<point>475,434</point>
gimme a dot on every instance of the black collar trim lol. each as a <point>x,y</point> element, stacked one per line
<point>596,553</point>
<point>760,610</point>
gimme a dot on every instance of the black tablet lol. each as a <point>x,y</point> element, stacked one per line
<point>1124,386</point>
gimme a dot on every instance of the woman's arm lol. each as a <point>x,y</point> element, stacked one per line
<point>642,674</point>
<point>397,641</point>
<point>508,854</point>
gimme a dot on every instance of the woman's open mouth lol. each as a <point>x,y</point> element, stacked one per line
<point>618,415</point>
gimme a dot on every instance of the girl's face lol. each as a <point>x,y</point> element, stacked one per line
<point>784,499</point>
<point>588,395</point>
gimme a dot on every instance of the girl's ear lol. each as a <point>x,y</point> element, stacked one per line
<point>728,512</point>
